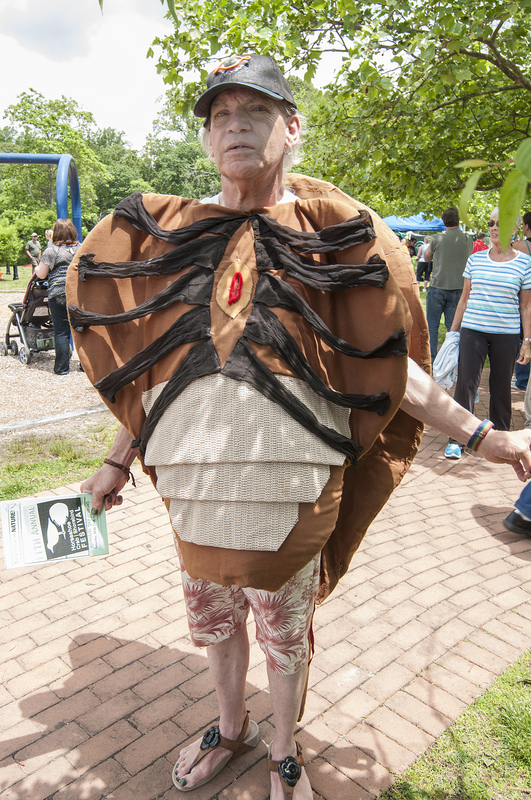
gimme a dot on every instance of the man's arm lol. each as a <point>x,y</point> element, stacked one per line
<point>108,481</point>
<point>426,401</point>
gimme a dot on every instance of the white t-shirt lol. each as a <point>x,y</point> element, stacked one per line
<point>287,197</point>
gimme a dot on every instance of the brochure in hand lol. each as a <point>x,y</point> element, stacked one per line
<point>48,529</point>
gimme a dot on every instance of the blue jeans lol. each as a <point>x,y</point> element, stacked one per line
<point>523,504</point>
<point>521,375</point>
<point>439,302</point>
<point>61,331</point>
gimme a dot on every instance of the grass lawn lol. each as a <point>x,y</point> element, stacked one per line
<point>485,754</point>
<point>7,284</point>
<point>35,461</point>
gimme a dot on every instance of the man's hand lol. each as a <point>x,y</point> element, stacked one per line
<point>509,447</point>
<point>104,486</point>
<point>525,353</point>
<point>108,481</point>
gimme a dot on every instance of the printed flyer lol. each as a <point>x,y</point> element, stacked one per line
<point>48,529</point>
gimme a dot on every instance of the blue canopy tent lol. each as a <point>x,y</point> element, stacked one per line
<point>416,224</point>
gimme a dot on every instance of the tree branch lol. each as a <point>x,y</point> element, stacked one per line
<point>466,97</point>
<point>508,69</point>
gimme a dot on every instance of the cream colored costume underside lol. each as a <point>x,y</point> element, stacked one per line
<point>235,465</point>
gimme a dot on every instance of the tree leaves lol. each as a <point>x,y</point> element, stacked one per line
<point>522,158</point>
<point>512,197</point>
<point>468,191</point>
<point>513,190</point>
<point>417,83</point>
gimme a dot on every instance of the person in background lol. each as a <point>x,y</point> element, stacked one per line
<point>519,520</point>
<point>409,242</point>
<point>479,243</point>
<point>524,245</point>
<point>33,249</point>
<point>449,252</point>
<point>53,266</point>
<point>521,371</point>
<point>423,266</point>
<point>48,233</point>
<point>496,299</point>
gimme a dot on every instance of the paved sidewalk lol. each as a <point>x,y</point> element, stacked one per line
<point>100,685</point>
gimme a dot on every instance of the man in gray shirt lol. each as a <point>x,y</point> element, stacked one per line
<point>449,252</point>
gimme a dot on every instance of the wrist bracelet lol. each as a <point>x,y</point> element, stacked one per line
<point>124,469</point>
<point>479,434</point>
<point>526,339</point>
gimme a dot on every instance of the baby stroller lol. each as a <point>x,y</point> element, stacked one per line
<point>30,327</point>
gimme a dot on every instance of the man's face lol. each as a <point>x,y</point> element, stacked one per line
<point>248,134</point>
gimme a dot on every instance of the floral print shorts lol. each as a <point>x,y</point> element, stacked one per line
<point>283,618</point>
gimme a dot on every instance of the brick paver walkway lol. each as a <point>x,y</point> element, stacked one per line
<point>100,685</point>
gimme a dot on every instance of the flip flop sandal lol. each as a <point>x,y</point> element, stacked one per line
<point>212,738</point>
<point>289,769</point>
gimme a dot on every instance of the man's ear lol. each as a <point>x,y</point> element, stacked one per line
<point>293,130</point>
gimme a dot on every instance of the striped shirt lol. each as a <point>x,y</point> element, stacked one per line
<point>493,305</point>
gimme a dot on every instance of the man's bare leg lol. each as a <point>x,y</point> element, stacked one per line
<point>228,662</point>
<point>286,697</point>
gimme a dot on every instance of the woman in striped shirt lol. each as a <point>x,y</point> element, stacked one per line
<point>496,300</point>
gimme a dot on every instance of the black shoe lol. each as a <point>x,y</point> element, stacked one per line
<point>515,523</point>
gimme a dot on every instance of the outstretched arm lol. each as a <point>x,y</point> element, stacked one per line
<point>108,481</point>
<point>426,401</point>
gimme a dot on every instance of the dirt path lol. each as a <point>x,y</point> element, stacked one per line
<point>35,391</point>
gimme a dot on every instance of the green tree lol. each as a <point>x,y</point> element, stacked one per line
<point>9,242</point>
<point>124,170</point>
<point>176,162</point>
<point>49,126</point>
<point>420,86</point>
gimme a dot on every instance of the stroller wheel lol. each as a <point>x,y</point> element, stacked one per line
<point>3,349</point>
<point>14,348</point>
<point>24,355</point>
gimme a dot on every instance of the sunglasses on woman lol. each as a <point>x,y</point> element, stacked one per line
<point>492,223</point>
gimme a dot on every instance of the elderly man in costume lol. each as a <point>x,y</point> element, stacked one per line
<point>255,348</point>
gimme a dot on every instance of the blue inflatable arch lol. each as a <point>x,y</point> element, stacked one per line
<point>66,174</point>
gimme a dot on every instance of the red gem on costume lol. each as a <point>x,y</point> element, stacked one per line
<point>236,285</point>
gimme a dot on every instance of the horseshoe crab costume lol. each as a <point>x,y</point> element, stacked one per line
<point>258,359</point>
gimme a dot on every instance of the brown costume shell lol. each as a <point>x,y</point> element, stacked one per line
<point>152,296</point>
